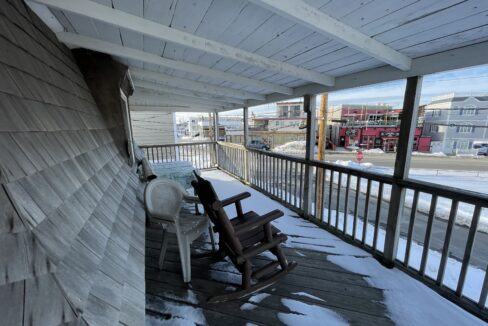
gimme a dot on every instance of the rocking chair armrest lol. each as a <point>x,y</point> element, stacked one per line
<point>257,222</point>
<point>235,198</point>
<point>256,250</point>
<point>191,199</point>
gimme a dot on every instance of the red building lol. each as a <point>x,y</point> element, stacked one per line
<point>383,137</point>
<point>372,126</point>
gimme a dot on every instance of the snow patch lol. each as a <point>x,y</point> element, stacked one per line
<point>180,314</point>
<point>436,154</point>
<point>310,315</point>
<point>248,306</point>
<point>294,147</point>
<point>374,151</point>
<point>305,294</point>
<point>257,298</point>
<point>409,302</point>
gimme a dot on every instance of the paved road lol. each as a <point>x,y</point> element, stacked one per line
<point>419,162</point>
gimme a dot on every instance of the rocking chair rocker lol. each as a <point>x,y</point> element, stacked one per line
<point>243,238</point>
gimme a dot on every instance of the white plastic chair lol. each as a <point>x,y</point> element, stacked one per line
<point>163,199</point>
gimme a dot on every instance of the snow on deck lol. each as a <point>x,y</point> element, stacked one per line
<point>334,284</point>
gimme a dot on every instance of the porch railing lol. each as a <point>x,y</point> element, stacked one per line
<point>354,204</point>
<point>201,154</point>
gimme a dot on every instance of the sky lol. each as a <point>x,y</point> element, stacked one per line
<point>470,81</point>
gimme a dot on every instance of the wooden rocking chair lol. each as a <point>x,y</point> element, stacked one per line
<point>243,238</point>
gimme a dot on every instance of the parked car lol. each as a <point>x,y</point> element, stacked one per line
<point>483,151</point>
<point>258,144</point>
<point>480,145</point>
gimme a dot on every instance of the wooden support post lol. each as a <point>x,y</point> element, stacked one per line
<point>402,167</point>
<point>321,153</point>
<point>309,108</point>
<point>216,137</point>
<point>245,114</point>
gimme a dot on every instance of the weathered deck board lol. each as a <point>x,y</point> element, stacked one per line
<point>346,293</point>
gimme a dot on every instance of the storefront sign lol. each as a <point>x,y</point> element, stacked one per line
<point>389,133</point>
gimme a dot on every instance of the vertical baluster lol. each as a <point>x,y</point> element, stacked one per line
<point>447,241</point>
<point>338,201</point>
<point>295,203</point>
<point>356,207</point>
<point>346,215</point>
<point>281,179</point>
<point>484,291</point>
<point>316,196</point>
<point>378,215</point>
<point>152,153</point>
<point>287,191</point>
<point>275,176</point>
<point>301,185</point>
<point>366,208</point>
<point>206,156</point>
<point>322,200</point>
<point>261,171</point>
<point>428,233</point>
<point>266,172</point>
<point>201,151</point>
<point>331,190</point>
<point>411,227</point>
<point>469,248</point>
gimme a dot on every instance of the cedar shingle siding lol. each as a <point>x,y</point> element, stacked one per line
<point>71,218</point>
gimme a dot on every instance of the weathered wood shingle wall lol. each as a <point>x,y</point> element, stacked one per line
<point>71,217</point>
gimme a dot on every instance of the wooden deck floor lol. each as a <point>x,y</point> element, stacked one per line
<point>316,282</point>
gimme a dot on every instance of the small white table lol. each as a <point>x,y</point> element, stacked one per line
<point>179,171</point>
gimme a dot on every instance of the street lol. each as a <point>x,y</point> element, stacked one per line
<point>418,162</point>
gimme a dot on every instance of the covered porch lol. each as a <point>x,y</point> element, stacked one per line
<point>72,210</point>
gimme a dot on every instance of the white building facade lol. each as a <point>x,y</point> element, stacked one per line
<point>457,123</point>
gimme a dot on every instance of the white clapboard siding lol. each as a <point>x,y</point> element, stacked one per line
<point>153,127</point>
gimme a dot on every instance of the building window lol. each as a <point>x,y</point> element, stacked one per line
<point>434,128</point>
<point>468,111</point>
<point>465,129</point>
<point>462,145</point>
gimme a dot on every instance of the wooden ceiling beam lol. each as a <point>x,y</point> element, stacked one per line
<point>308,16</point>
<point>147,27</point>
<point>192,85</point>
<point>94,44</point>
<point>191,94</point>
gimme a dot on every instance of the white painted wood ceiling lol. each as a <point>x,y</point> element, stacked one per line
<point>415,28</point>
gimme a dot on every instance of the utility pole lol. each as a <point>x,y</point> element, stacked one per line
<point>324,98</point>
<point>321,150</point>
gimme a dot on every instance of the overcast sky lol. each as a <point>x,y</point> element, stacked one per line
<point>465,81</point>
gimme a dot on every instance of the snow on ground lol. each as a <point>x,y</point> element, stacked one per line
<point>305,294</point>
<point>409,302</point>
<point>309,314</point>
<point>459,179</point>
<point>374,151</point>
<point>181,314</point>
<point>437,154</point>
<point>293,147</point>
